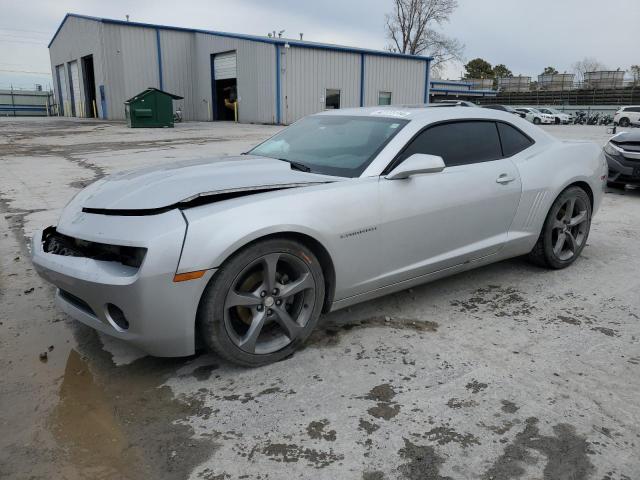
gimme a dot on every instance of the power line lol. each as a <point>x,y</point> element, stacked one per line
<point>23,41</point>
<point>24,30</point>
<point>24,71</point>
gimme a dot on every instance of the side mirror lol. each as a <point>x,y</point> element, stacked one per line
<point>416,164</point>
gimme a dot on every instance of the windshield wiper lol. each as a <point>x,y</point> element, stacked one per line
<point>296,165</point>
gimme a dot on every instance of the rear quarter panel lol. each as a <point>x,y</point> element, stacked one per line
<point>546,170</point>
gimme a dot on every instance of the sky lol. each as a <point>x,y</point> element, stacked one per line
<point>522,34</point>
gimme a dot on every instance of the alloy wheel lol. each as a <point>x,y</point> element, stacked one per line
<point>269,303</point>
<point>570,227</point>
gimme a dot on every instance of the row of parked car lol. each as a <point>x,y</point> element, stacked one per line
<point>624,116</point>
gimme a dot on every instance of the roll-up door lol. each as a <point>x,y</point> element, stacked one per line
<point>224,66</point>
<point>63,106</point>
<point>75,89</point>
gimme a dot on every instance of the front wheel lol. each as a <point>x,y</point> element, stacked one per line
<point>624,122</point>
<point>263,303</point>
<point>536,121</point>
<point>565,230</point>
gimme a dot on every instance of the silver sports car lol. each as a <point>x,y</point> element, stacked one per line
<point>245,253</point>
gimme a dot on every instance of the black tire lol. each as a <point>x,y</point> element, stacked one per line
<point>221,332</point>
<point>558,121</point>
<point>536,121</point>
<point>543,253</point>
<point>618,185</point>
<point>624,122</point>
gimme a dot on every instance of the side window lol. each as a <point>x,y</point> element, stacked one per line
<point>513,141</point>
<point>632,109</point>
<point>458,143</point>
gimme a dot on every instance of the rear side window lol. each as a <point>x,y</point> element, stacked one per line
<point>513,140</point>
<point>632,109</point>
<point>458,143</point>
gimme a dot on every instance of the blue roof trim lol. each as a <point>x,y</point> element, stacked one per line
<point>450,82</point>
<point>457,93</point>
<point>239,36</point>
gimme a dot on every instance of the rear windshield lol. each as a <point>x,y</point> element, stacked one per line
<point>332,144</point>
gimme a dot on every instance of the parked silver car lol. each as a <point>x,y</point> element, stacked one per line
<point>339,208</point>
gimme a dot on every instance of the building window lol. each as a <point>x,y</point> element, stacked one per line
<point>332,99</point>
<point>384,98</point>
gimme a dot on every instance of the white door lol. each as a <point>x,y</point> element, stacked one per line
<point>224,66</point>
<point>63,107</point>
<point>435,221</point>
<point>75,89</point>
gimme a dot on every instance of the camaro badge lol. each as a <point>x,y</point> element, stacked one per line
<point>358,232</point>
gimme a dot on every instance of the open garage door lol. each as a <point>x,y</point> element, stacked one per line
<point>225,86</point>
<point>74,78</point>
<point>61,80</point>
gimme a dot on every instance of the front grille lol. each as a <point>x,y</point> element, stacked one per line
<point>59,244</point>
<point>78,302</point>
<point>631,147</point>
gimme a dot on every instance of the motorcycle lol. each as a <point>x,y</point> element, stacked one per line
<point>593,119</point>
<point>580,118</point>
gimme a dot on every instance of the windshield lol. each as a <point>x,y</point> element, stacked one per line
<point>533,110</point>
<point>337,145</point>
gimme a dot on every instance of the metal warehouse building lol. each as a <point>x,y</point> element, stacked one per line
<point>98,64</point>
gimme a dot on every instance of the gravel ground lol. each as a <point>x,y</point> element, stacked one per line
<point>504,372</point>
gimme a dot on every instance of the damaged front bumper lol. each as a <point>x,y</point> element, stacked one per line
<point>151,311</point>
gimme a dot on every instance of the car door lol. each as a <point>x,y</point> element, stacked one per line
<point>435,221</point>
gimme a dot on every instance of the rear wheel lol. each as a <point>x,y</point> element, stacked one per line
<point>263,303</point>
<point>565,230</point>
<point>624,122</point>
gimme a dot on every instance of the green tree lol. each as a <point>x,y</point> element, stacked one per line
<point>549,71</point>
<point>501,71</point>
<point>478,68</point>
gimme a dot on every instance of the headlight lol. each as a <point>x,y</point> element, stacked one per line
<point>611,150</point>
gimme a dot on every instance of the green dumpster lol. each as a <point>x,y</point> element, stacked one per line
<point>152,108</point>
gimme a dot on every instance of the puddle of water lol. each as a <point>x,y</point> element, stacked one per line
<point>84,422</point>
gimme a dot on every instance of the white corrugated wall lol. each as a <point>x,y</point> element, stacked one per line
<point>77,38</point>
<point>178,70</point>
<point>126,62</point>
<point>131,64</point>
<point>255,64</point>
<point>404,78</point>
<point>308,72</point>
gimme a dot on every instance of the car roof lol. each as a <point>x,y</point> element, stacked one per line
<point>426,113</point>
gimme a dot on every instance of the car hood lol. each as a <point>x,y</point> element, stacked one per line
<point>170,184</point>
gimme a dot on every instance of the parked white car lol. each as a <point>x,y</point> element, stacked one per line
<point>536,116</point>
<point>558,116</point>
<point>627,116</point>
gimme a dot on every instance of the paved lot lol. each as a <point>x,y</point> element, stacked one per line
<point>508,371</point>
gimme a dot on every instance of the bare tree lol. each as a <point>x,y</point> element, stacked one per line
<point>410,29</point>
<point>587,64</point>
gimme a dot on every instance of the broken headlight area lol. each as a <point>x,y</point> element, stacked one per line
<point>59,244</point>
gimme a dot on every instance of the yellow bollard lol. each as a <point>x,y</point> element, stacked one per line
<point>95,110</point>
<point>235,110</point>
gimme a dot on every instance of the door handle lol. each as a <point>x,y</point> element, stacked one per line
<point>503,178</point>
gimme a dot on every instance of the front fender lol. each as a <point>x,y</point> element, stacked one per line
<point>326,213</point>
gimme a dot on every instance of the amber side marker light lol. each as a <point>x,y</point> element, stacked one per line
<point>183,277</point>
